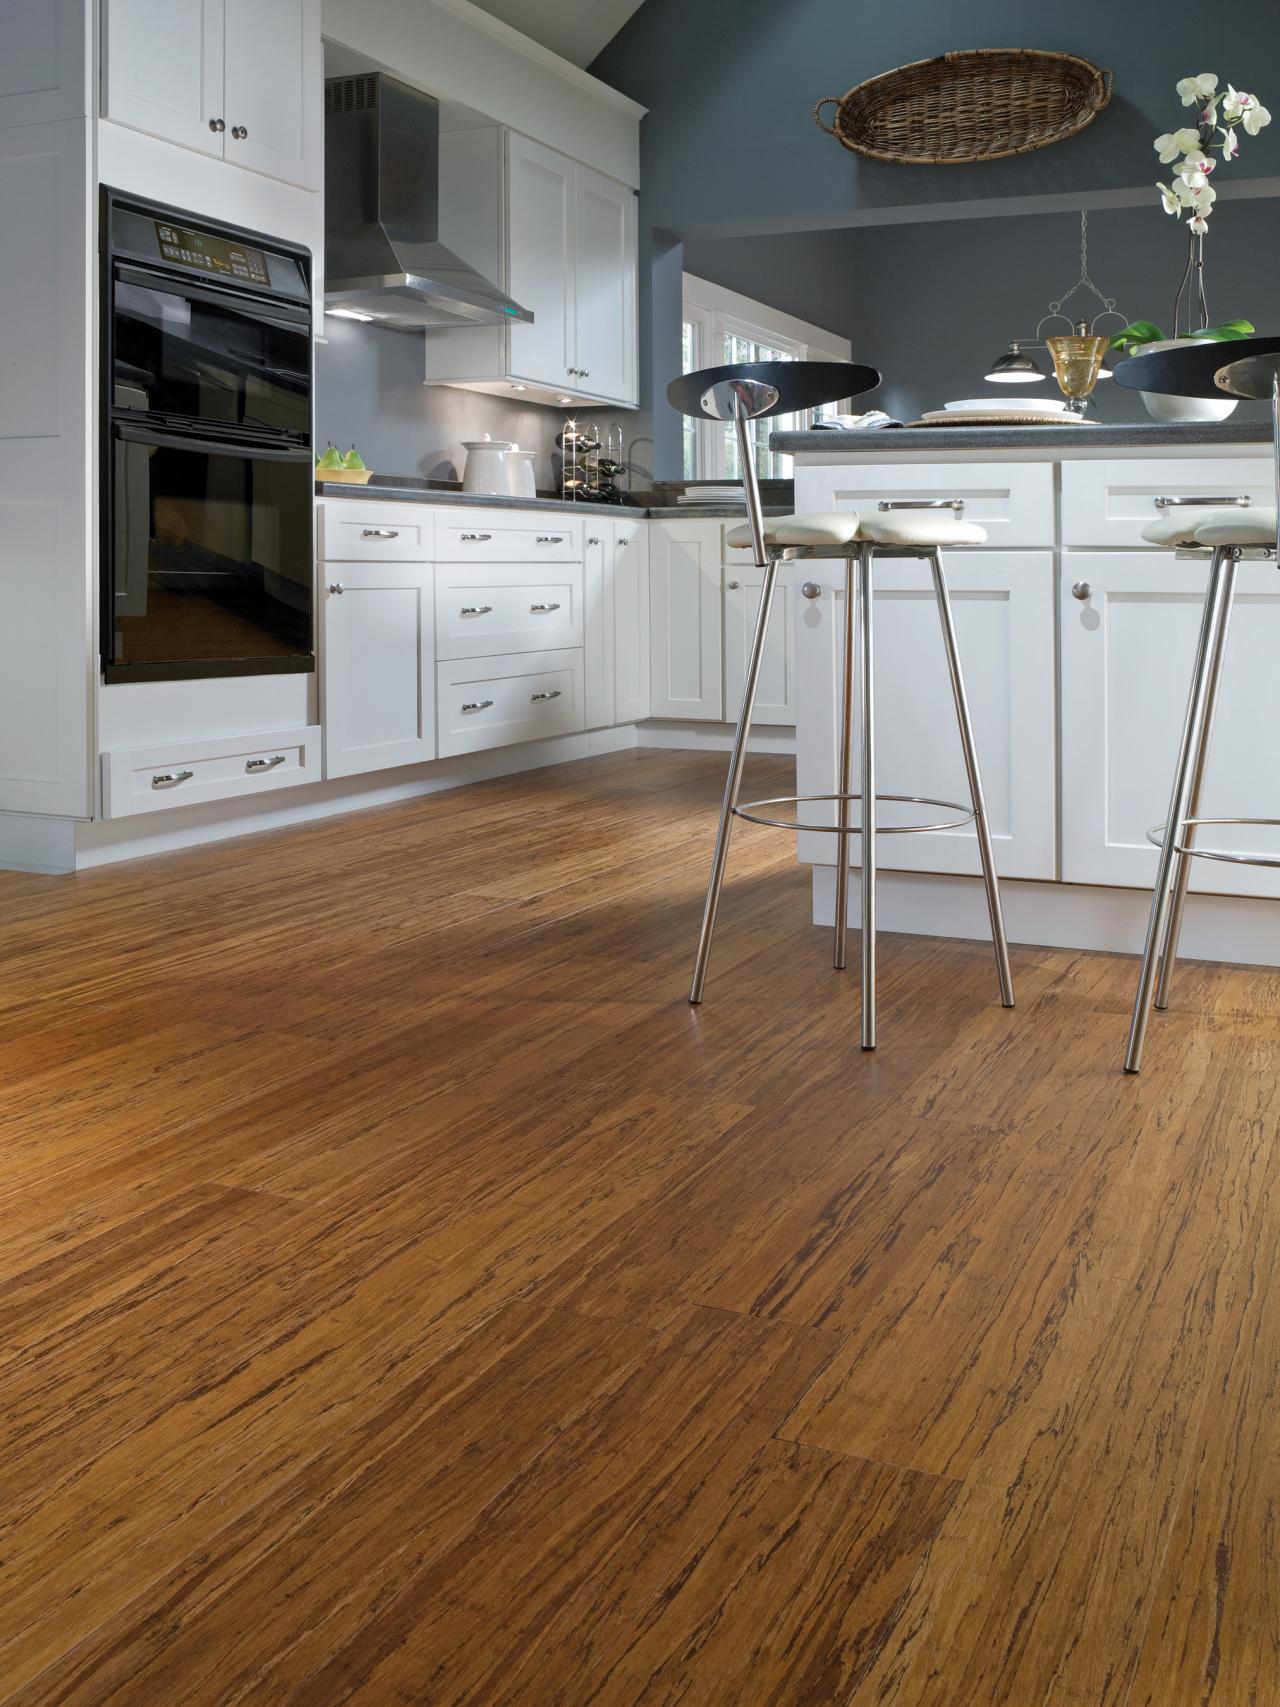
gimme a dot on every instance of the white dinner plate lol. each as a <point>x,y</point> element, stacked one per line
<point>1013,406</point>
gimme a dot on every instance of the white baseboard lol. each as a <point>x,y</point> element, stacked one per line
<point>715,737</point>
<point>1241,929</point>
<point>60,845</point>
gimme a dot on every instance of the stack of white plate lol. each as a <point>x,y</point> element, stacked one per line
<point>726,494</point>
<point>1002,412</point>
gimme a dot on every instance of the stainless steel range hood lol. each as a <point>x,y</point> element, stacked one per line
<point>382,251</point>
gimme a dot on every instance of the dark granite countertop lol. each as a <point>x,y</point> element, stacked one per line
<point>1136,435</point>
<point>402,489</point>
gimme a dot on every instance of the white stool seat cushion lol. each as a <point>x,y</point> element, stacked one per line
<point>1254,526</point>
<point>1181,525</point>
<point>828,527</point>
<point>920,527</point>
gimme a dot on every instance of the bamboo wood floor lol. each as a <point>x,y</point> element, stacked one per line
<point>406,1298</point>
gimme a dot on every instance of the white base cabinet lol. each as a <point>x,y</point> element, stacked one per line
<point>687,671</point>
<point>627,620</point>
<point>775,700</point>
<point>377,666</point>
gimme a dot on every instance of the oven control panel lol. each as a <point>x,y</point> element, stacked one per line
<point>211,254</point>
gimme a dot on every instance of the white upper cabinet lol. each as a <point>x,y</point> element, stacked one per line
<point>236,79</point>
<point>540,269</point>
<point>561,239</point>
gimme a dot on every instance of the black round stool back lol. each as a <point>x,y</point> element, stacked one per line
<point>753,389</point>
<point>1190,371</point>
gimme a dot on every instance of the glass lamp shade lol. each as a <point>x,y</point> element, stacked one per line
<point>1076,362</point>
<point>1014,367</point>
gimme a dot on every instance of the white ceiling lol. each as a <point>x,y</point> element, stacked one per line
<point>575,29</point>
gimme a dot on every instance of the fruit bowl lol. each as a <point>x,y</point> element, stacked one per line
<point>345,476</point>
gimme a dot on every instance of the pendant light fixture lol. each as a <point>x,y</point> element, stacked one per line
<point>1015,366</point>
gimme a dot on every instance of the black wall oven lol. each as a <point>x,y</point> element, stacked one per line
<point>208,542</point>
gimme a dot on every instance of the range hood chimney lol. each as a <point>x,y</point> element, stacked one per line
<point>383,255</point>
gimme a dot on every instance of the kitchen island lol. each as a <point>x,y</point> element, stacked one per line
<point>1077,641</point>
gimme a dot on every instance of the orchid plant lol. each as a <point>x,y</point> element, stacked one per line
<point>1222,113</point>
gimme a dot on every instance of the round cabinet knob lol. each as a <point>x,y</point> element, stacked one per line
<point>336,587</point>
<point>239,132</point>
<point>1081,590</point>
<point>593,540</point>
<point>217,125</point>
<point>732,586</point>
<point>811,590</point>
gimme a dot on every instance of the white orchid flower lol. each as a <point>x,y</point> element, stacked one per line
<point>1173,143</point>
<point>1193,90</point>
<point>1199,224</point>
<point>1256,117</point>
<point>1230,145</point>
<point>1171,202</point>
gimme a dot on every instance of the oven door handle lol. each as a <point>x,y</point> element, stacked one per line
<point>295,316</point>
<point>200,444</point>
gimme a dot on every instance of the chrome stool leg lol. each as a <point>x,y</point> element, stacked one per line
<point>867,787</point>
<point>1182,861</point>
<point>733,784</point>
<point>980,822</point>
<point>844,783</point>
<point>1216,608</point>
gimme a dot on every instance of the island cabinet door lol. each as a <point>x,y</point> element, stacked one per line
<point>685,621</point>
<point>377,663</point>
<point>1130,622</point>
<point>1003,604</point>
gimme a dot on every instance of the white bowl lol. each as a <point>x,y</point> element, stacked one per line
<point>1163,406</point>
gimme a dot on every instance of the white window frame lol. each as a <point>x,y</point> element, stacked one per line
<point>714,310</point>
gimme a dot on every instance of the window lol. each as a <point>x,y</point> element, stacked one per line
<point>720,326</point>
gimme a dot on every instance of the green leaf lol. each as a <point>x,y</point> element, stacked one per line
<point>1226,333</point>
<point>1137,332</point>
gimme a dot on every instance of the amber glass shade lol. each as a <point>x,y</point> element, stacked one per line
<point>1076,362</point>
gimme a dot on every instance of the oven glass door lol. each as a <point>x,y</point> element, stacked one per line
<point>211,556</point>
<point>217,356</point>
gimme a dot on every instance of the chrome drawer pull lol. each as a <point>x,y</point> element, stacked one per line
<point>264,764</point>
<point>170,779</point>
<point>551,693</point>
<point>477,704</point>
<point>550,539</point>
<point>956,504</point>
<point>380,533</point>
<point>476,536</point>
<point>475,610</point>
<point>1172,503</point>
<point>538,610</point>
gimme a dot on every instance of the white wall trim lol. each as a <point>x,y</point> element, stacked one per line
<point>768,322</point>
<point>532,50</point>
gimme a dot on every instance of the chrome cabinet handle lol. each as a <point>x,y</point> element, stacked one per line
<point>264,764</point>
<point>475,610</point>
<point>477,704</point>
<point>550,539</point>
<point>551,693</point>
<point>477,536</point>
<point>956,504</point>
<point>732,586</point>
<point>811,590</point>
<point>538,610</point>
<point>380,533</point>
<point>1172,503</point>
<point>623,542</point>
<point>217,125</point>
<point>336,587</point>
<point>1081,590</point>
<point>239,131</point>
<point>170,779</point>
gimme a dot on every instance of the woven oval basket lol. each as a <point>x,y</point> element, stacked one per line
<point>982,104</point>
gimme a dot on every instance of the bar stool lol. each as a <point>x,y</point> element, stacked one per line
<point>1222,532</point>
<point>741,393</point>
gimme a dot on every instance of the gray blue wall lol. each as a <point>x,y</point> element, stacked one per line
<point>933,260</point>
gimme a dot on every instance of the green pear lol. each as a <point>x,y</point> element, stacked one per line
<point>354,460</point>
<point>331,459</point>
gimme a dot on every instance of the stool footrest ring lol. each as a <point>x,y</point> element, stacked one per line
<point>751,811</point>
<point>1156,835</point>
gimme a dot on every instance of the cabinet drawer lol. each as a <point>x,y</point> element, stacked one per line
<point>357,530</point>
<point>1110,502</point>
<point>507,536</point>
<point>1013,501</point>
<point>512,607</point>
<point>151,779</point>
<point>495,702</point>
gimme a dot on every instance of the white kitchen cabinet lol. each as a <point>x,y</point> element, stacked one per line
<point>1004,609</point>
<point>1013,501</point>
<point>598,642</point>
<point>1108,502</point>
<point>628,617</point>
<point>560,238</point>
<point>498,702</point>
<point>236,79</point>
<point>776,689</point>
<point>1127,653</point>
<point>686,677</point>
<point>377,661</point>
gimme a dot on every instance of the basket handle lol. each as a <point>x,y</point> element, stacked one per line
<point>826,101</point>
<point>1108,85</point>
